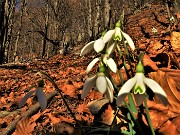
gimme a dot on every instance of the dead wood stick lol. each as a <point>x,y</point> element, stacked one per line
<point>30,112</point>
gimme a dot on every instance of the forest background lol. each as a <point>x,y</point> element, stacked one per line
<point>34,29</point>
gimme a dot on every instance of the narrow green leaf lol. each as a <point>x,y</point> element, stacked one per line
<point>132,104</point>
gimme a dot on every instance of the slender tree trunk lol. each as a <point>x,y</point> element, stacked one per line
<point>56,26</point>
<point>10,27</point>
<point>31,42</point>
<point>2,10</point>
<point>19,31</point>
<point>106,14</point>
<point>45,31</point>
<point>97,18</point>
<point>89,18</point>
<point>6,11</point>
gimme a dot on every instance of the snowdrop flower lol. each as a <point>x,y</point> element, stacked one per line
<point>137,83</point>
<point>117,34</point>
<point>101,82</point>
<point>98,45</point>
<point>109,62</point>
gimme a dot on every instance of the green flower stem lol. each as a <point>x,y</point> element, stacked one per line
<point>124,62</point>
<point>127,53</point>
<point>148,117</point>
<point>141,57</point>
<point>113,82</point>
<point>135,119</point>
<point>56,88</point>
<point>120,76</point>
<point>119,73</point>
<point>119,51</point>
<point>132,104</point>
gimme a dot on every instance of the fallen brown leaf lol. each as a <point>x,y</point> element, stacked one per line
<point>175,41</point>
<point>108,115</point>
<point>24,127</point>
<point>169,86</point>
<point>168,129</point>
<point>53,119</point>
<point>148,62</point>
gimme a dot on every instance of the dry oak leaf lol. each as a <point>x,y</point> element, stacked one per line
<point>155,47</point>
<point>158,118</point>
<point>24,127</point>
<point>83,108</point>
<point>170,86</point>
<point>148,62</point>
<point>53,119</point>
<point>66,119</point>
<point>176,121</point>
<point>108,115</point>
<point>175,41</point>
<point>69,89</point>
<point>168,129</point>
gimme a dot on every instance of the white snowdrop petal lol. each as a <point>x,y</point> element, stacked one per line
<point>88,85</point>
<point>101,84</point>
<point>91,64</point>
<point>156,88</point>
<point>105,56</point>
<point>125,89</point>
<point>110,90</point>
<point>87,48</point>
<point>99,45</point>
<point>108,36</point>
<point>109,94</point>
<point>112,65</point>
<point>140,87</point>
<point>109,84</point>
<point>139,98</point>
<point>129,40</point>
<point>111,48</point>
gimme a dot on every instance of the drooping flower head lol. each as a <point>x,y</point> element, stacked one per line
<point>101,82</point>
<point>108,37</point>
<point>138,85</point>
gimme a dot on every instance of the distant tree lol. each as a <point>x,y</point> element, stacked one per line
<point>19,29</point>
<point>2,49</point>
<point>7,8</point>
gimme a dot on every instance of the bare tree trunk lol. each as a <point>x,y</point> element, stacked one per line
<point>10,27</point>
<point>89,18</point>
<point>46,30</point>
<point>6,11</point>
<point>19,31</point>
<point>2,29</point>
<point>56,26</point>
<point>31,42</point>
<point>106,13</point>
<point>97,17</point>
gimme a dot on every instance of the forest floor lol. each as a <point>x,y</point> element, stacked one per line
<point>152,33</point>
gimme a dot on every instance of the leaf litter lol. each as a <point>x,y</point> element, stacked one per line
<point>162,63</point>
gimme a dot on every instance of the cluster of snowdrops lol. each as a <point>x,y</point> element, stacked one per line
<point>106,46</point>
